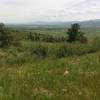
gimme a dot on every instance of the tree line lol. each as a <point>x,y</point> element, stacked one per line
<point>73,34</point>
<point>43,37</point>
<point>5,36</point>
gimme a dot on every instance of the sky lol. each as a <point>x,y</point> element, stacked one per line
<point>28,11</point>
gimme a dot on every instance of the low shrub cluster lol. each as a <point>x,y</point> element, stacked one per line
<point>45,38</point>
<point>40,50</point>
<point>59,50</point>
<point>20,54</point>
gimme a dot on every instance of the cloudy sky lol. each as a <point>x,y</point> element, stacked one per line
<point>24,11</point>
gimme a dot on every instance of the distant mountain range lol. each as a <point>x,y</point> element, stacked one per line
<point>89,23</point>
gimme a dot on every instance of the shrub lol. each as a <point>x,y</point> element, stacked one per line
<point>95,44</point>
<point>59,51</point>
<point>5,36</point>
<point>40,50</point>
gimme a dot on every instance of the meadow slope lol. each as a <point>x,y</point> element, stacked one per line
<point>70,78</point>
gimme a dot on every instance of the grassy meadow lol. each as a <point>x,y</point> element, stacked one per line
<point>35,70</point>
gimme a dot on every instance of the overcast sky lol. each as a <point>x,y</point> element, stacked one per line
<point>24,11</point>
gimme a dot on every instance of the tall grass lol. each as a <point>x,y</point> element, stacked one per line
<point>35,51</point>
<point>60,50</point>
<point>46,79</point>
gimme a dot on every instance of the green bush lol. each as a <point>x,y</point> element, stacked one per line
<point>40,50</point>
<point>5,36</point>
<point>59,51</point>
<point>95,45</point>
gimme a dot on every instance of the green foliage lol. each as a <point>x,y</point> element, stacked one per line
<point>73,32</point>
<point>47,80</point>
<point>59,50</point>
<point>40,51</point>
<point>30,70</point>
<point>5,36</point>
<point>75,35</point>
<point>95,44</point>
<point>44,38</point>
<point>82,38</point>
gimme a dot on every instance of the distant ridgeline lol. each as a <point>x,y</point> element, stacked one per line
<point>43,37</point>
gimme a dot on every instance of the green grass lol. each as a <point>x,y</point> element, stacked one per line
<point>74,74</point>
<point>46,79</point>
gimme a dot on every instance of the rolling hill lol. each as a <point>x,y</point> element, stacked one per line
<point>89,23</point>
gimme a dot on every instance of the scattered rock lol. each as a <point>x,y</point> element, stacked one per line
<point>66,72</point>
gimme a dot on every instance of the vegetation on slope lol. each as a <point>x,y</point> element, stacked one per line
<point>72,78</point>
<point>35,70</point>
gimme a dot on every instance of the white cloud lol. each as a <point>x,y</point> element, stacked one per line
<point>22,11</point>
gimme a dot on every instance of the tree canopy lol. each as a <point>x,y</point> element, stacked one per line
<point>5,36</point>
<point>74,34</point>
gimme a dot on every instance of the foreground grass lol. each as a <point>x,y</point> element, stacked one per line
<point>71,78</point>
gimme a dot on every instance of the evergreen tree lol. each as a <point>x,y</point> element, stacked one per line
<point>74,34</point>
<point>5,36</point>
